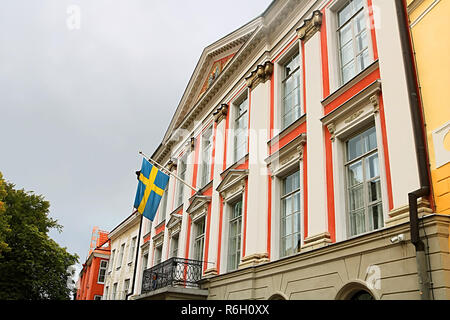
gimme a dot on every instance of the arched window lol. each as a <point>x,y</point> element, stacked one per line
<point>362,295</point>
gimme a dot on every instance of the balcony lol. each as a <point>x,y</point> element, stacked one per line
<point>173,278</point>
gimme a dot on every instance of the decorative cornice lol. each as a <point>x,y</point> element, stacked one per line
<point>220,113</point>
<point>262,73</point>
<point>171,165</point>
<point>310,26</point>
<point>331,129</point>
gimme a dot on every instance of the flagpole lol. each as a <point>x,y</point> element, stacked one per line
<point>168,171</point>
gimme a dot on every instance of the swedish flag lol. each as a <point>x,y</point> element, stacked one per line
<point>151,186</point>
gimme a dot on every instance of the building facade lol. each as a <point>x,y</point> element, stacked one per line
<point>296,134</point>
<point>92,275</point>
<point>425,18</point>
<point>120,271</point>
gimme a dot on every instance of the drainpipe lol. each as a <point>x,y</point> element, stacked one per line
<point>419,139</point>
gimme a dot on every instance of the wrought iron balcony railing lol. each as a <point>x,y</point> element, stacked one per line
<point>174,272</point>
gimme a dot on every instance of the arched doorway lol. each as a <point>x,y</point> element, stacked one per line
<point>356,291</point>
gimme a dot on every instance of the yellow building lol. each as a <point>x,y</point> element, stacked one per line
<point>429,24</point>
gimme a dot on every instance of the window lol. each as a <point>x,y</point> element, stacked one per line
<point>353,39</point>
<point>199,241</point>
<point>132,248</point>
<point>145,261</point>
<point>122,249</point>
<point>174,247</point>
<point>97,297</point>
<point>291,91</point>
<point>163,207</point>
<point>126,286</point>
<point>240,127</point>
<point>114,292</point>
<point>206,156</point>
<point>182,173</point>
<point>234,236</point>
<point>290,215</point>
<point>106,293</point>
<point>102,271</point>
<point>158,255</point>
<point>363,183</point>
<point>111,265</point>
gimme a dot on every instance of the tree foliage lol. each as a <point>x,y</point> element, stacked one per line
<point>4,226</point>
<point>33,267</point>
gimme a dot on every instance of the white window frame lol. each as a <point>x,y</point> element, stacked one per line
<point>157,255</point>
<point>182,175</point>
<point>113,256</point>
<point>334,61</point>
<point>173,250</point>
<point>206,157</point>
<point>368,114</point>
<point>282,197</point>
<point>239,221</point>
<point>126,287</point>
<point>105,269</point>
<point>367,204</point>
<point>132,249</point>
<point>121,254</point>
<point>237,102</point>
<point>198,238</point>
<point>295,53</point>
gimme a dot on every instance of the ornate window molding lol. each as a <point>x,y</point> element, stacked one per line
<point>174,224</point>
<point>287,157</point>
<point>233,184</point>
<point>198,207</point>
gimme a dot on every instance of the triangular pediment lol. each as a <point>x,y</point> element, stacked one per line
<point>232,178</point>
<point>214,60</point>
<point>197,202</point>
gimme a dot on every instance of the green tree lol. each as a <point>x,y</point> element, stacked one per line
<point>35,267</point>
<point>4,225</point>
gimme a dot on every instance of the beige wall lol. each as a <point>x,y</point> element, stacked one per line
<point>334,271</point>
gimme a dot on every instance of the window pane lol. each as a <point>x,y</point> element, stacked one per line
<point>363,60</point>
<point>374,190</point>
<point>345,14</point>
<point>296,202</point>
<point>347,53</point>
<point>358,4</point>
<point>372,169</point>
<point>348,72</point>
<point>375,217</point>
<point>345,35</point>
<point>287,206</point>
<point>356,196</point>
<point>360,22</point>
<point>357,222</point>
<point>361,41</point>
<point>296,225</point>
<point>292,65</point>
<point>355,174</point>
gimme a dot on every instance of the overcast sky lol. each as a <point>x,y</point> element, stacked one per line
<point>76,105</point>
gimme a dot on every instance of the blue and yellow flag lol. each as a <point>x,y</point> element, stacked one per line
<point>152,184</point>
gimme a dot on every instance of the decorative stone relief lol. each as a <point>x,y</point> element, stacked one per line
<point>262,73</point>
<point>221,112</point>
<point>331,129</point>
<point>354,116</point>
<point>375,103</point>
<point>310,26</point>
